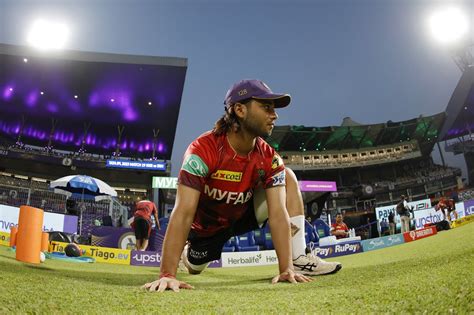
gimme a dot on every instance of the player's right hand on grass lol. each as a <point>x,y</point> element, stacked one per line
<point>291,276</point>
<point>166,283</point>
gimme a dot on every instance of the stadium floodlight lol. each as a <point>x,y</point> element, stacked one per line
<point>449,25</point>
<point>48,34</point>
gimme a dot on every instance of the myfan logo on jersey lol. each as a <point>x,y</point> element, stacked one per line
<point>278,179</point>
<point>195,166</point>
<point>227,176</point>
<point>276,161</point>
<point>230,197</point>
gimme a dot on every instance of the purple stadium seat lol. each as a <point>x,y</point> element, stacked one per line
<point>231,245</point>
<point>247,242</point>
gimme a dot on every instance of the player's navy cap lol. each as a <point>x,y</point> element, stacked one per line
<point>255,89</point>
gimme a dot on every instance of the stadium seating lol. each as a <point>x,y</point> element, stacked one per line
<point>268,238</point>
<point>321,228</point>
<point>259,235</point>
<point>309,233</point>
<point>231,245</point>
<point>246,242</point>
<point>164,222</point>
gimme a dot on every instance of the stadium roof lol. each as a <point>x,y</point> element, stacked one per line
<point>300,138</point>
<point>460,109</point>
<point>86,98</point>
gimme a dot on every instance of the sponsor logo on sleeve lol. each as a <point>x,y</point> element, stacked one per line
<point>278,179</point>
<point>276,161</point>
<point>194,165</point>
<point>227,176</point>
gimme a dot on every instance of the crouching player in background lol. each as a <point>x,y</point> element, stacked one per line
<point>447,206</point>
<point>231,181</point>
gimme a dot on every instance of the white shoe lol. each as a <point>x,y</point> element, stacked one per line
<point>312,265</point>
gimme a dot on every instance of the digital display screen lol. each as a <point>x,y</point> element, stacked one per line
<point>137,165</point>
<point>311,185</point>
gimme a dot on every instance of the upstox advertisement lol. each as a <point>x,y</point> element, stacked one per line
<point>100,254</point>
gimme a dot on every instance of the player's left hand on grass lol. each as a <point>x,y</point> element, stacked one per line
<point>291,276</point>
<point>166,283</point>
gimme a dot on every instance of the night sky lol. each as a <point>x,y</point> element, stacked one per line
<point>371,60</point>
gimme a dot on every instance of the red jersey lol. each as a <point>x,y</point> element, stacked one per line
<point>446,204</point>
<point>145,209</point>
<point>226,180</point>
<point>339,227</point>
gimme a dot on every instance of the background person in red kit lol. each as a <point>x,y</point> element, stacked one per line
<point>142,222</point>
<point>339,229</point>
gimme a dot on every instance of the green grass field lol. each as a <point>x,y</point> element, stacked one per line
<point>432,275</point>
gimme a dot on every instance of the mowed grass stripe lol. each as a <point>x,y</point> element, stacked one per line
<point>433,275</point>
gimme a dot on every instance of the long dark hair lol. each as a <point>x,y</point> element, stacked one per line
<point>229,120</point>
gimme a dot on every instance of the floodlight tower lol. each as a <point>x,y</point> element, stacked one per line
<point>455,29</point>
<point>464,57</point>
<point>47,34</point>
<point>452,27</point>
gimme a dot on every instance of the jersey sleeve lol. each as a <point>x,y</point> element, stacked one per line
<point>275,169</point>
<point>197,163</point>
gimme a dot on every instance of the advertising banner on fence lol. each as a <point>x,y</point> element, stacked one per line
<point>145,258</point>
<point>312,185</point>
<point>381,242</point>
<point>240,259</point>
<point>468,207</point>
<point>383,212</point>
<point>338,250</point>
<point>51,222</point>
<point>419,234</point>
<point>4,239</point>
<point>100,254</point>
<point>124,238</point>
<point>463,221</point>
<point>164,182</point>
<point>430,215</point>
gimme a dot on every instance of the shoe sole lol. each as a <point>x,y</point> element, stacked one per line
<point>304,272</point>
